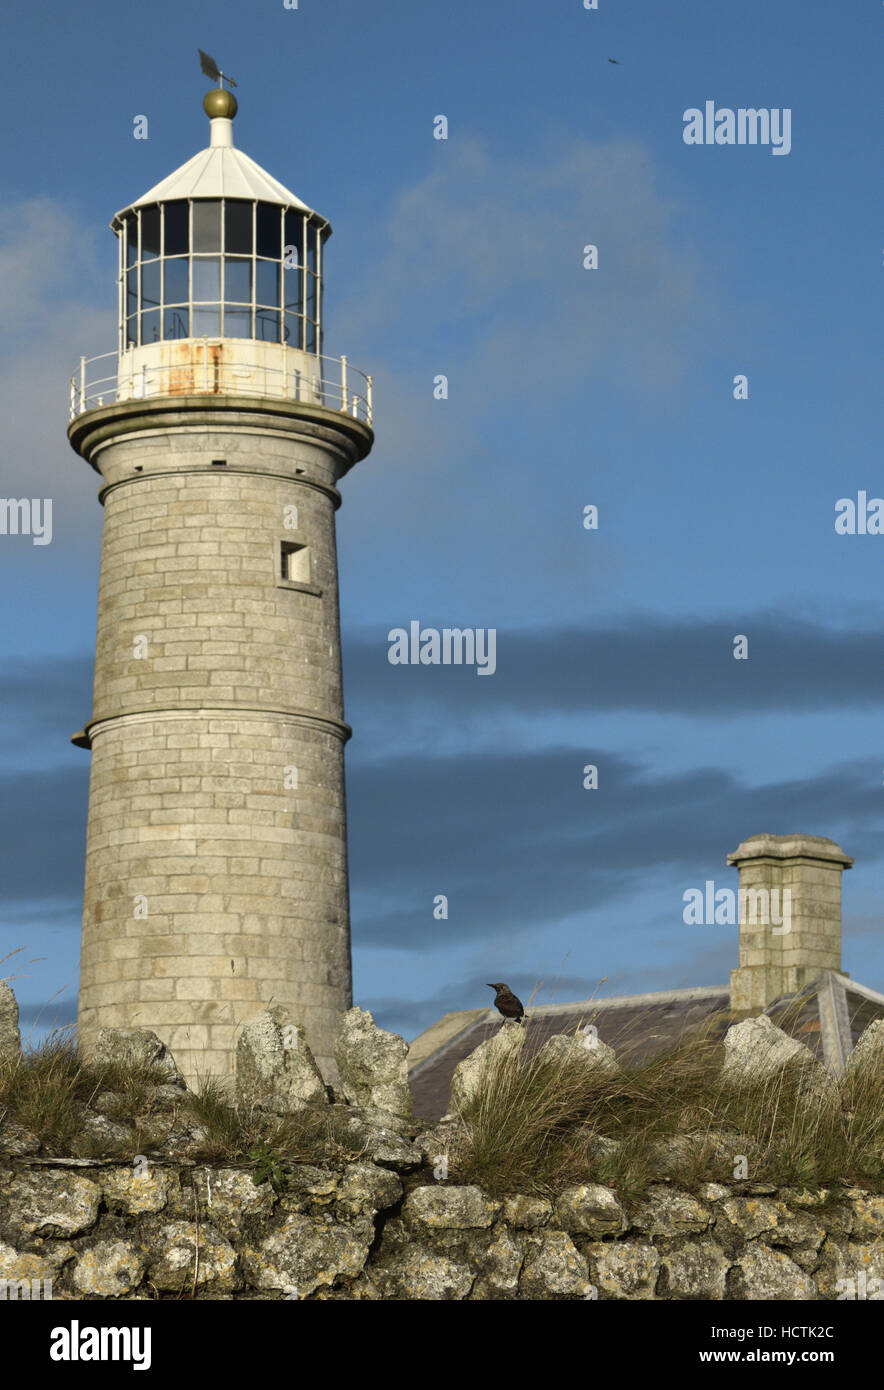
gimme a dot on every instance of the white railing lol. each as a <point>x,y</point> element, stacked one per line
<point>327,381</point>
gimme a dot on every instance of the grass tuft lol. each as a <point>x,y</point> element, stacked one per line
<point>541,1123</point>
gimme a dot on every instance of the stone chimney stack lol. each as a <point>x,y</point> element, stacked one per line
<point>789,915</point>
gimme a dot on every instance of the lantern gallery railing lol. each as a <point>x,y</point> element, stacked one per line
<point>221,367</point>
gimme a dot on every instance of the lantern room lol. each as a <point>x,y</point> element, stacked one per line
<point>221,288</point>
<point>220,268</point>
<point>220,249</point>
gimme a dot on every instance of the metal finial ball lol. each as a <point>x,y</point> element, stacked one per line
<point>219,102</point>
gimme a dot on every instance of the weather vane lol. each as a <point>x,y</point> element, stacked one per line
<point>211,69</point>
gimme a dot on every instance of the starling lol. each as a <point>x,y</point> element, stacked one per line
<point>507,1003</point>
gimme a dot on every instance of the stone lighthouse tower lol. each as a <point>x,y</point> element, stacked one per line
<point>216,866</point>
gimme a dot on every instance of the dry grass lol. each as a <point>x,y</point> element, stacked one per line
<point>534,1127</point>
<point>535,1124</point>
<point>312,1135</point>
<point>47,1088</point>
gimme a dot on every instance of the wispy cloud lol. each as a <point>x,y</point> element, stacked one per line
<point>57,302</point>
<point>645,662</point>
<point>486,255</point>
<point>517,844</point>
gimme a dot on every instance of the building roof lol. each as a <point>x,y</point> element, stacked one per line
<point>828,1016</point>
<point>219,171</point>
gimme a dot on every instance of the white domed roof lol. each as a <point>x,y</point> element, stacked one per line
<point>220,171</point>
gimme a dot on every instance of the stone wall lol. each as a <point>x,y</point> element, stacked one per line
<point>375,1216</point>
<point>370,1230</point>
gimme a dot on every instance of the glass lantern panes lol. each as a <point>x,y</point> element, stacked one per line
<point>206,279</point>
<point>150,233</point>
<point>150,285</point>
<point>176,228</point>
<point>237,322</point>
<point>176,322</point>
<point>132,291</point>
<point>213,267</point>
<point>267,325</point>
<point>130,231</point>
<point>238,219</point>
<point>293,237</point>
<point>176,272</point>
<point>268,231</point>
<point>237,280</point>
<point>206,321</point>
<point>206,227</point>
<point>267,283</point>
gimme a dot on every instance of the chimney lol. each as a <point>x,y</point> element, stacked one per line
<point>790,915</point>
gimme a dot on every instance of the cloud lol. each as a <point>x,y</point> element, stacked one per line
<point>41,702</point>
<point>486,256</point>
<point>502,826</point>
<point>43,833</point>
<point>58,302</point>
<point>643,663</point>
<point>517,845</point>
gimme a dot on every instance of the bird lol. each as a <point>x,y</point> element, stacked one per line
<point>614,60</point>
<point>507,1003</point>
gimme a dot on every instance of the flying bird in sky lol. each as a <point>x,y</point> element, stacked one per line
<point>614,60</point>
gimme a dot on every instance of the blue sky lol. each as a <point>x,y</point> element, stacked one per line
<point>566,387</point>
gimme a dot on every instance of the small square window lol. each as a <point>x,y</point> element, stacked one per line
<point>295,562</point>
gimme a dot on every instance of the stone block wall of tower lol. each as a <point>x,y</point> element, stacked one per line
<point>216,874</point>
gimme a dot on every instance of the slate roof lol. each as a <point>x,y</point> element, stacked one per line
<point>828,1016</point>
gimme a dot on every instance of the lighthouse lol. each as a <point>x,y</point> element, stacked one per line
<point>216,860</point>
